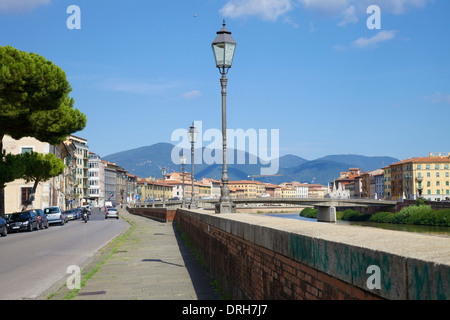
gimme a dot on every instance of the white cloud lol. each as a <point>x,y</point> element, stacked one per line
<point>349,16</point>
<point>349,10</point>
<point>438,98</point>
<point>20,6</point>
<point>192,94</point>
<point>370,42</point>
<point>135,86</point>
<point>265,9</point>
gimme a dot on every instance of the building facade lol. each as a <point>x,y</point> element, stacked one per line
<point>427,177</point>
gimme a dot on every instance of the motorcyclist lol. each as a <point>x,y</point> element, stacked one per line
<point>85,214</point>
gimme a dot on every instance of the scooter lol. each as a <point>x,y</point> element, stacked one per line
<point>85,217</point>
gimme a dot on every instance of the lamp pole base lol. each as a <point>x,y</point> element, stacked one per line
<point>225,207</point>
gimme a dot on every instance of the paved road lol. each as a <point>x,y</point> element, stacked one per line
<point>32,262</point>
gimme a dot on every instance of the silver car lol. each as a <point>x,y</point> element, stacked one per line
<point>111,213</point>
<point>55,215</point>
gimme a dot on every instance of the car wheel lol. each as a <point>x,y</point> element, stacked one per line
<point>5,232</point>
<point>30,227</point>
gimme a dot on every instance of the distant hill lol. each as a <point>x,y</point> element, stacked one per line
<point>148,161</point>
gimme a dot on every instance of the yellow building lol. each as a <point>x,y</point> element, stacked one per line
<point>427,177</point>
<point>54,192</point>
<point>288,193</point>
<point>149,189</point>
<point>249,187</point>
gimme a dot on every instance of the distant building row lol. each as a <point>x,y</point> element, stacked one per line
<point>417,177</point>
<point>86,179</point>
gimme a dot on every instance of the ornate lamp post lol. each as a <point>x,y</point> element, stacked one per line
<point>153,191</point>
<point>163,172</point>
<point>223,48</point>
<point>145,192</point>
<point>183,162</point>
<point>192,134</point>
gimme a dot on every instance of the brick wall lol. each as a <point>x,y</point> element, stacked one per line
<point>159,214</point>
<point>246,270</point>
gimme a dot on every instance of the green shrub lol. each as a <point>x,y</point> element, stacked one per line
<point>353,215</point>
<point>309,213</point>
<point>385,217</point>
<point>418,215</point>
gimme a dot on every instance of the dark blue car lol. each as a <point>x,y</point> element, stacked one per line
<point>3,227</point>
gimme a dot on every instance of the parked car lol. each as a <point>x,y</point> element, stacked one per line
<point>26,220</point>
<point>71,214</point>
<point>3,227</point>
<point>55,215</point>
<point>43,222</point>
<point>111,213</point>
<point>174,199</point>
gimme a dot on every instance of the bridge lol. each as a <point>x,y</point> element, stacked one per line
<point>326,206</point>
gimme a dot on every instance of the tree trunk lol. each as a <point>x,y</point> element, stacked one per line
<point>2,189</point>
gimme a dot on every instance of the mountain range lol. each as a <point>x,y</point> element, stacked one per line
<point>148,161</point>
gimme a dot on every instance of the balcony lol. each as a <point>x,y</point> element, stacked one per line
<point>419,178</point>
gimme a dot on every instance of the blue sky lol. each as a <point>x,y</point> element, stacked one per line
<point>141,69</point>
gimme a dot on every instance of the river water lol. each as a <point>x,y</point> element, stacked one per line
<point>441,231</point>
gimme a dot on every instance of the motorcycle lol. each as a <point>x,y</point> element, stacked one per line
<point>85,217</point>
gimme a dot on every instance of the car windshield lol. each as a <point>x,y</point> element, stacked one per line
<point>51,210</point>
<point>19,216</point>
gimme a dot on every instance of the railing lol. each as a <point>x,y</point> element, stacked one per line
<point>321,202</point>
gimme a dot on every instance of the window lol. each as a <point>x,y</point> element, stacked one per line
<point>436,167</point>
<point>438,191</point>
<point>438,184</point>
<point>428,167</point>
<point>446,166</point>
<point>429,191</point>
<point>25,195</point>
<point>437,174</point>
<point>27,149</point>
<point>428,183</point>
<point>419,167</point>
<point>428,175</point>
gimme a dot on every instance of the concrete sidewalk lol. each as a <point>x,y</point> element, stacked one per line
<point>148,262</point>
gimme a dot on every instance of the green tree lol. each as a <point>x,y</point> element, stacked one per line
<point>40,168</point>
<point>34,102</point>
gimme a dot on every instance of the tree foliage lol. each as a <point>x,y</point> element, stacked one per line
<point>34,102</point>
<point>11,168</point>
<point>34,98</point>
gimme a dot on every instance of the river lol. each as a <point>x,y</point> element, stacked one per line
<point>440,231</point>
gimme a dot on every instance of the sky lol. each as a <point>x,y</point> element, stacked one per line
<point>315,71</point>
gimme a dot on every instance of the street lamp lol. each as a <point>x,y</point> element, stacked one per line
<point>183,162</point>
<point>153,191</point>
<point>145,191</point>
<point>192,134</point>
<point>223,48</point>
<point>163,172</point>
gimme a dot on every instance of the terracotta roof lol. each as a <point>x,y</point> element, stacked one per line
<point>423,160</point>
